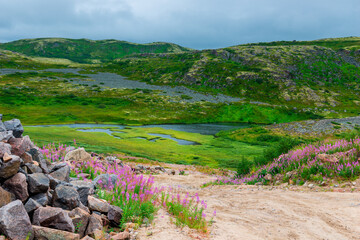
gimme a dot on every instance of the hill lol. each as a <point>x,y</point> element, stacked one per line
<point>86,51</point>
<point>322,74</point>
<point>301,80</point>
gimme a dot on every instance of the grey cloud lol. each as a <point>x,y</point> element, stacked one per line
<point>193,23</point>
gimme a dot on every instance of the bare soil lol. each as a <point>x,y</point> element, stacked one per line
<point>263,212</point>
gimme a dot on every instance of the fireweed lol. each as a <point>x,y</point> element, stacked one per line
<point>187,210</point>
<point>306,162</point>
<point>134,194</point>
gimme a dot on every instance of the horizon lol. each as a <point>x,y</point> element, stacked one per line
<point>108,39</point>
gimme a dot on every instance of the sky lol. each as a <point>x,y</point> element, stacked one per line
<point>199,24</point>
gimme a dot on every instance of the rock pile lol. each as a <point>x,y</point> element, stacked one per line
<point>39,200</point>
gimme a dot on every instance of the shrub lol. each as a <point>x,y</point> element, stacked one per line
<point>243,167</point>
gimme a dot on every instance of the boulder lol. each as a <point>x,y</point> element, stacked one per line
<point>20,145</point>
<point>31,205</point>
<point>114,215</point>
<point>39,157</point>
<point>66,197</point>
<point>15,222</point>
<point>62,174</point>
<point>57,166</point>
<point>53,182</point>
<point>95,223</point>
<point>98,205</point>
<point>4,148</point>
<point>44,233</point>
<point>84,189</point>
<point>38,183</point>
<point>18,186</point>
<point>41,198</point>
<point>10,168</point>
<point>27,158</point>
<point>80,219</point>
<point>77,155</point>
<point>6,136</point>
<point>32,168</point>
<point>105,180</point>
<point>15,126</point>
<point>53,217</point>
<point>5,197</point>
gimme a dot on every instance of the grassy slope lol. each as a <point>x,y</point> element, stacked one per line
<point>84,50</point>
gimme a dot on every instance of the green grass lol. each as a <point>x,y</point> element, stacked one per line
<point>213,152</point>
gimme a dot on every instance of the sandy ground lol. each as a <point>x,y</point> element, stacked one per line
<point>256,212</point>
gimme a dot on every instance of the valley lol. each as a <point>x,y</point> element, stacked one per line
<point>262,132</point>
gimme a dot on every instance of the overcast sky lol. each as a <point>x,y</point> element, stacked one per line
<point>192,23</point>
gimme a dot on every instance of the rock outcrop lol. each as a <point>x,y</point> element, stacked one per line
<point>39,200</point>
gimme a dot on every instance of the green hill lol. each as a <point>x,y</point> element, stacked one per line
<point>86,51</point>
<point>282,73</point>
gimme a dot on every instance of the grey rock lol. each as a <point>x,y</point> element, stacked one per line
<point>15,222</point>
<point>10,168</point>
<point>20,145</point>
<point>103,180</point>
<point>38,183</point>
<point>57,166</point>
<point>78,155</point>
<point>80,219</point>
<point>53,182</point>
<point>98,205</point>
<point>2,127</point>
<point>31,205</point>
<point>18,186</point>
<point>4,148</point>
<point>41,198</point>
<point>6,136</point>
<point>53,217</point>
<point>15,126</point>
<point>62,174</point>
<point>84,189</point>
<point>44,233</point>
<point>114,215</point>
<point>66,197</point>
<point>95,223</point>
<point>39,157</point>
<point>32,168</point>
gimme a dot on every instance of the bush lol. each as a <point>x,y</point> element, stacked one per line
<point>243,167</point>
<point>283,146</point>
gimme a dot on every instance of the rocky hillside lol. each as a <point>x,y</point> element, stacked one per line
<point>86,51</point>
<point>315,74</point>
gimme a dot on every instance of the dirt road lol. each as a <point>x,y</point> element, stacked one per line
<point>252,212</point>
